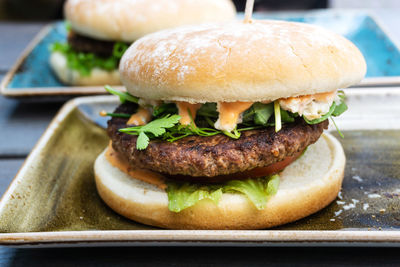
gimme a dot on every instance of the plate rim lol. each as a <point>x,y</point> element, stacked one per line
<point>181,237</point>
<point>98,90</point>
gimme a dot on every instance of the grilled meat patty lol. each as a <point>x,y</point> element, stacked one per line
<point>214,155</point>
<point>88,45</point>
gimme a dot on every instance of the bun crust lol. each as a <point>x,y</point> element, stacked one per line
<point>262,60</point>
<point>58,63</point>
<point>307,185</point>
<point>128,20</point>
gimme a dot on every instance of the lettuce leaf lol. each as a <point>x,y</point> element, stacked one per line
<point>85,62</point>
<point>185,195</point>
<point>258,191</point>
<point>182,196</point>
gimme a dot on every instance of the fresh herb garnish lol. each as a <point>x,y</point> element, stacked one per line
<point>165,124</point>
<point>153,129</point>
<point>123,96</point>
<point>103,113</point>
<point>165,109</point>
<point>323,117</point>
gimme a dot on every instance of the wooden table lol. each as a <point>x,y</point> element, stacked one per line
<point>22,123</point>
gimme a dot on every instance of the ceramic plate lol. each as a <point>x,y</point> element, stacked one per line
<point>32,77</point>
<point>53,200</point>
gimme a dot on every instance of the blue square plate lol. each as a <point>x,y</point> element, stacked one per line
<point>32,76</point>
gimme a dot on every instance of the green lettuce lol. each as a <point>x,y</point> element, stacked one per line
<point>185,195</point>
<point>182,196</point>
<point>85,62</point>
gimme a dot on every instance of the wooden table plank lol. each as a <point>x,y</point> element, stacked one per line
<point>200,256</point>
<point>8,170</point>
<point>22,124</point>
<point>14,38</point>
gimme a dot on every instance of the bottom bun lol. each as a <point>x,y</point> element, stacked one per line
<point>58,63</point>
<point>307,185</point>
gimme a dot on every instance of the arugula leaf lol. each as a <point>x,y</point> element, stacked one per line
<point>165,109</point>
<point>262,113</point>
<point>155,128</point>
<point>123,96</point>
<point>339,109</point>
<point>208,110</point>
<point>324,117</point>
<point>287,116</point>
<point>337,128</point>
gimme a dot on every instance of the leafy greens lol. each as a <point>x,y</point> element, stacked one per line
<point>85,62</point>
<point>259,115</point>
<point>185,195</point>
<point>154,128</point>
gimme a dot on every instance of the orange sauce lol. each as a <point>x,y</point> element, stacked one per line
<point>123,165</point>
<point>141,117</point>
<point>183,108</point>
<point>320,97</point>
<point>229,113</point>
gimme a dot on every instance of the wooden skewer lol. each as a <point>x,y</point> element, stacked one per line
<point>248,11</point>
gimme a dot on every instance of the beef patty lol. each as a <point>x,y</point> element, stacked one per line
<point>88,45</point>
<point>214,155</point>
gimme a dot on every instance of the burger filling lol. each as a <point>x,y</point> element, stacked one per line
<point>199,151</point>
<point>83,54</point>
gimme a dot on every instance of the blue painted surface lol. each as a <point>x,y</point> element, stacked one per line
<point>35,70</point>
<point>382,56</point>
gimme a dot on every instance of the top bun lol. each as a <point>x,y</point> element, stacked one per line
<point>236,61</point>
<point>128,20</point>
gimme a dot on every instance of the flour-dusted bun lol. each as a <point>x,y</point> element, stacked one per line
<point>234,61</point>
<point>128,20</point>
<point>58,63</point>
<point>307,185</point>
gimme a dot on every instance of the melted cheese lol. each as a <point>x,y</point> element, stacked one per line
<point>310,106</point>
<point>141,117</point>
<point>184,108</point>
<point>229,114</point>
<point>123,165</point>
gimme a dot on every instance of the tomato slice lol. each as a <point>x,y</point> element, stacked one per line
<point>256,172</point>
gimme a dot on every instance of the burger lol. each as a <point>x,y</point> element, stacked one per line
<point>99,32</point>
<point>222,126</point>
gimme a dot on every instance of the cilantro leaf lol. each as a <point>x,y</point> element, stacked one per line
<point>157,127</point>
<point>142,141</point>
<point>154,129</point>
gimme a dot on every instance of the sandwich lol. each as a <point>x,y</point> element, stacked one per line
<point>222,125</point>
<point>99,32</point>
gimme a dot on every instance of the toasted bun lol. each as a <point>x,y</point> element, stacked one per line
<point>262,60</point>
<point>307,185</point>
<point>128,20</point>
<point>58,63</point>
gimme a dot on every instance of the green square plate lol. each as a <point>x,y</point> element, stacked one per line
<point>53,200</point>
